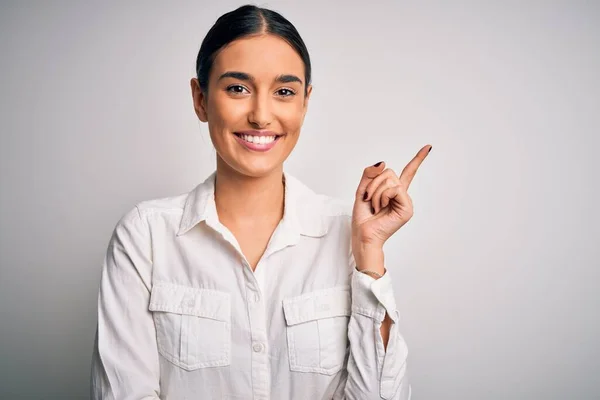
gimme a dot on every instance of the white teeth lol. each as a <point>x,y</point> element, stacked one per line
<point>258,139</point>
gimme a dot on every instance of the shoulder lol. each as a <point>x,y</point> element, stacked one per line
<point>333,206</point>
<point>162,205</point>
<point>323,204</point>
<point>319,213</point>
<point>137,216</point>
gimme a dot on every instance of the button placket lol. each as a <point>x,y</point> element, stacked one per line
<point>253,298</point>
<point>258,347</point>
<point>258,330</point>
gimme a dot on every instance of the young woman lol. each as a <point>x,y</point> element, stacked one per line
<point>251,286</point>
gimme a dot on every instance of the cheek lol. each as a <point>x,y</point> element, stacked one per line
<point>292,118</point>
<point>225,112</point>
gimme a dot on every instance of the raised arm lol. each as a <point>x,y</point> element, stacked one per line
<point>377,361</point>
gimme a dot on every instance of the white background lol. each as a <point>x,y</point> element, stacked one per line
<point>497,275</point>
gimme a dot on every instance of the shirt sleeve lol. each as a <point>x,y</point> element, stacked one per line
<point>374,372</point>
<point>125,362</point>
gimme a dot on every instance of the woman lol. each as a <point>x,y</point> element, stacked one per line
<point>248,287</point>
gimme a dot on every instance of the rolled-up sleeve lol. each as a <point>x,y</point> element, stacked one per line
<point>125,362</point>
<point>374,371</point>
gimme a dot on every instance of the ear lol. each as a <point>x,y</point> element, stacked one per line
<point>306,99</point>
<point>199,100</point>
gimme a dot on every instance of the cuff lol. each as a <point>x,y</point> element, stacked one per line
<point>373,297</point>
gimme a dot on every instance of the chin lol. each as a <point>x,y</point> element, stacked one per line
<point>258,171</point>
<point>254,164</point>
<point>253,168</point>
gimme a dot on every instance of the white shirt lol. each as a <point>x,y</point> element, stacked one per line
<point>181,315</point>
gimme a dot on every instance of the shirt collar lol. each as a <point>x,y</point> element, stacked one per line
<point>303,208</point>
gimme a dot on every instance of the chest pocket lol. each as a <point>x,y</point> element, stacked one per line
<point>317,330</point>
<point>193,325</point>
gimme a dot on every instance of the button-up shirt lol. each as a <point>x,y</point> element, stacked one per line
<point>182,315</point>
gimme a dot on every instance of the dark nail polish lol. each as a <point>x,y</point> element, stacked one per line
<point>430,149</point>
<point>378,164</point>
<point>365,196</point>
<point>372,210</point>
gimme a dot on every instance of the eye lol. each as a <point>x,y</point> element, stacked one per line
<point>285,92</point>
<point>236,89</point>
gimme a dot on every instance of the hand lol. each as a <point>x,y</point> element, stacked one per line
<point>382,204</point>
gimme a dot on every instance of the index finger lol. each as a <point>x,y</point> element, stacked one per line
<point>408,173</point>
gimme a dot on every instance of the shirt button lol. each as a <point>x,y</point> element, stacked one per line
<point>258,347</point>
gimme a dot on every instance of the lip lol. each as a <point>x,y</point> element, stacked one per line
<point>257,146</point>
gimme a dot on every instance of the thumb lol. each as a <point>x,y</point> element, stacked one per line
<point>368,175</point>
<point>362,208</point>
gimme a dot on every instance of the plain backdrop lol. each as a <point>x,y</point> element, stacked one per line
<point>497,275</point>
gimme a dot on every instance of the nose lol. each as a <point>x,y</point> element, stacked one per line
<point>260,115</point>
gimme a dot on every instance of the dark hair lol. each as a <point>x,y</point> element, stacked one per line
<point>244,21</point>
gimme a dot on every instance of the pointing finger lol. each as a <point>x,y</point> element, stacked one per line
<point>408,173</point>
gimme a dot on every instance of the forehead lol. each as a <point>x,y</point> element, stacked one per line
<point>263,56</point>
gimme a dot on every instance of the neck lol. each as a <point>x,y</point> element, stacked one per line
<point>241,199</point>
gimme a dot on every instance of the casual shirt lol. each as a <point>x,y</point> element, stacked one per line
<point>182,315</point>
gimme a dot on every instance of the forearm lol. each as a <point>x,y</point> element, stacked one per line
<point>372,259</point>
<point>375,370</point>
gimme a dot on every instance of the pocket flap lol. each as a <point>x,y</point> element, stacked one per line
<point>325,303</point>
<point>179,299</point>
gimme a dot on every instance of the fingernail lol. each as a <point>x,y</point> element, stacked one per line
<point>378,164</point>
<point>365,196</point>
<point>430,149</point>
<point>372,210</point>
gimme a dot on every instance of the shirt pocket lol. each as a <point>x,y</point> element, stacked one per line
<point>317,330</point>
<point>193,325</point>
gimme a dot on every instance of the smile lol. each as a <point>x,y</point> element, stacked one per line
<point>257,143</point>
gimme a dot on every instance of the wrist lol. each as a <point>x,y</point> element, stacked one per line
<point>370,258</point>
<point>373,274</point>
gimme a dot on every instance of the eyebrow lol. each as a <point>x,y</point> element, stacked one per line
<point>284,78</point>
